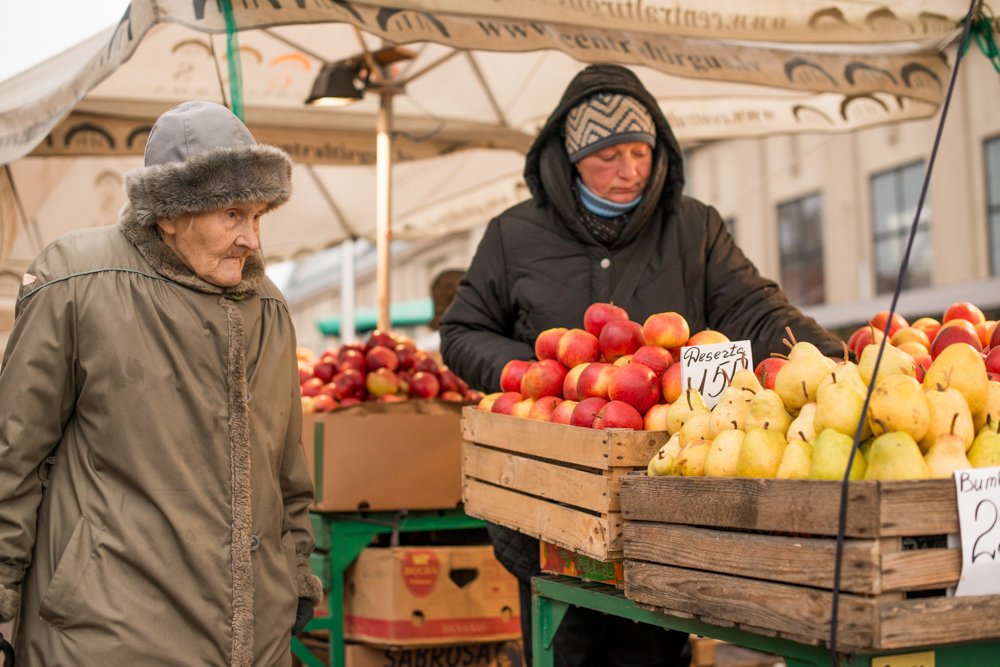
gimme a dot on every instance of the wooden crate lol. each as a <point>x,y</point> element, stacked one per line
<point>551,481</point>
<point>759,554</point>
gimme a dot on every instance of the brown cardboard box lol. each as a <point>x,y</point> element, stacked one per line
<point>386,456</point>
<point>558,560</point>
<point>409,596</point>
<point>491,654</point>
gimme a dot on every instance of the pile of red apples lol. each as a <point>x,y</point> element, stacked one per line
<point>387,367</point>
<point>612,373</point>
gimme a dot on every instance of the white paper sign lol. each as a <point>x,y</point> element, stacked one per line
<point>978,493</point>
<point>709,368</point>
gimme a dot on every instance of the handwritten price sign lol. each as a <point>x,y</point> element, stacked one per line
<point>709,368</point>
<point>978,492</point>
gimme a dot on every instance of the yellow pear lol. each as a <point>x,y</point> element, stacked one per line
<point>830,455</point>
<point>898,403</point>
<point>796,460</point>
<point>991,409</point>
<point>691,460</point>
<point>695,428</point>
<point>840,407</point>
<point>663,460</point>
<point>961,366</point>
<point>946,455</point>
<point>767,410</point>
<point>864,447</point>
<point>895,455</point>
<point>803,426</point>
<point>760,453</point>
<point>894,361</point>
<point>723,454</point>
<point>746,381</point>
<point>847,373</point>
<point>730,412</point>
<point>677,413</point>
<point>949,415</point>
<point>985,450</point>
<point>797,381</point>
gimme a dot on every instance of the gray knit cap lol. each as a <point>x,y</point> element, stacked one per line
<point>606,119</point>
<point>200,157</point>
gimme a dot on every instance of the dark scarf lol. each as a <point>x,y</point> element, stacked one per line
<point>604,230</point>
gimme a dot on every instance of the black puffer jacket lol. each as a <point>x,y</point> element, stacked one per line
<point>538,267</point>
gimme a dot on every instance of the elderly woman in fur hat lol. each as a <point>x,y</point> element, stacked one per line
<point>153,489</point>
<point>606,222</point>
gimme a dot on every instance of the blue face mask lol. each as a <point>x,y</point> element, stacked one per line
<point>603,207</point>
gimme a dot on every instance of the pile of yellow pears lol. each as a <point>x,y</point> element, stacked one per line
<point>804,428</point>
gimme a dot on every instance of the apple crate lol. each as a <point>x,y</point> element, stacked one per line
<point>555,482</point>
<point>759,554</point>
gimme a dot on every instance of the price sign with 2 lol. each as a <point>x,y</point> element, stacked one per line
<point>709,368</point>
<point>978,494</point>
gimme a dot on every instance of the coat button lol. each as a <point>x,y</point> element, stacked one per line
<point>254,542</point>
<point>605,263</point>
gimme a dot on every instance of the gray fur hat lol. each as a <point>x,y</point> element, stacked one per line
<point>606,119</point>
<point>200,157</point>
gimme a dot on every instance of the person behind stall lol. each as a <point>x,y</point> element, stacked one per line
<point>443,289</point>
<point>153,486</point>
<point>606,222</point>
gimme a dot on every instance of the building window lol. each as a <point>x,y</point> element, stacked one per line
<point>991,151</point>
<point>895,195</point>
<point>800,241</point>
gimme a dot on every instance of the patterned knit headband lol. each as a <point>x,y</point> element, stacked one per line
<point>606,119</point>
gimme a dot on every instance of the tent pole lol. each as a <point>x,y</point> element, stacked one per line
<point>383,172</point>
<point>347,328</point>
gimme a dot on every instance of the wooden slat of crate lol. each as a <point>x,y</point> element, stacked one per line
<point>874,508</point>
<point>868,567</point>
<point>595,536</point>
<point>865,624</point>
<point>592,448</point>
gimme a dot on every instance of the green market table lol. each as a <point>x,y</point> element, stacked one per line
<point>552,595</point>
<point>340,538</point>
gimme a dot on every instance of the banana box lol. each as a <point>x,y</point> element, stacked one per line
<point>486,654</point>
<point>558,560</point>
<point>386,456</point>
<point>418,596</point>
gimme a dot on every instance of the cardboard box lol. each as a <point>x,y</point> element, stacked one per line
<point>557,560</point>
<point>407,596</point>
<point>386,456</point>
<point>760,554</point>
<point>492,654</point>
<point>551,481</point>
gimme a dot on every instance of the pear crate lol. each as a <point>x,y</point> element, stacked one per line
<point>551,481</point>
<point>759,554</point>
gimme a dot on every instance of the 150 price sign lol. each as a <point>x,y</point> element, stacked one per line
<point>709,368</point>
<point>978,493</point>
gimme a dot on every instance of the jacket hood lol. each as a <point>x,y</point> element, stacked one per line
<point>549,173</point>
<point>200,157</point>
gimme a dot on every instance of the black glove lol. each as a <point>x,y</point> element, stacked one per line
<point>302,615</point>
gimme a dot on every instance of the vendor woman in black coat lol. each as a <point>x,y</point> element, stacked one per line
<point>606,222</point>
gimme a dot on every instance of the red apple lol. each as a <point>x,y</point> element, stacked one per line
<point>881,318</point>
<point>595,380</point>
<point>547,343</point>
<point>912,348</point>
<point>381,338</point>
<point>380,357</point>
<point>993,360</point>
<point>543,407</point>
<point>995,338</point>
<point>985,331</point>
<point>351,358</point>
<point>910,334</point>
<point>623,360</point>
<point>653,357</point>
<point>666,330</point>
<point>670,383</point>
<point>571,380</point>
<point>308,405</point>
<point>349,401</point>
<point>303,353</point>
<point>618,414</point>
<point>965,311</point>
<point>586,411</point>
<point>577,346</point>
<point>423,361</point>
<point>324,370</point>
<point>767,370</point>
<point>655,418</point>
<point>348,383</point>
<point>619,338</point>
<point>510,376</point>
<point>472,395</point>
<point>504,403</point>
<point>391,398</point>
<point>382,381</point>
<point>311,386</point>
<point>949,334</point>
<point>424,385</point>
<point>543,378</point>
<point>486,402</point>
<point>323,403</point>
<point>305,371</point>
<point>928,325</point>
<point>707,337</point>
<point>921,362</point>
<point>522,408</point>
<point>561,413</point>
<point>406,353</point>
<point>636,385</point>
<point>599,314</point>
<point>450,380</point>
